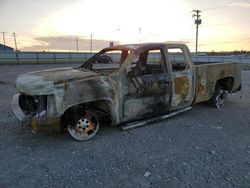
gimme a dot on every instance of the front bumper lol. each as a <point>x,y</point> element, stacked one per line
<point>36,123</point>
<point>16,109</point>
<point>51,124</point>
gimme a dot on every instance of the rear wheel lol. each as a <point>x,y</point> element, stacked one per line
<point>85,127</point>
<point>218,98</point>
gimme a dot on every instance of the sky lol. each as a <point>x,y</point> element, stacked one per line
<point>54,25</point>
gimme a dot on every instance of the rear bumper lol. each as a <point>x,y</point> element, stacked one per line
<point>37,124</point>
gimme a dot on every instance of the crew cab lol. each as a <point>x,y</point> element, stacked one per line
<point>119,85</point>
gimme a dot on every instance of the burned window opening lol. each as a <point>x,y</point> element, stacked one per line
<point>106,61</point>
<point>148,74</point>
<point>177,59</point>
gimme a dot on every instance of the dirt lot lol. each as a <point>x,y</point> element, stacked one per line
<point>204,147</point>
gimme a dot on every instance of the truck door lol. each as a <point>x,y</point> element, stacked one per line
<point>148,85</point>
<point>182,76</point>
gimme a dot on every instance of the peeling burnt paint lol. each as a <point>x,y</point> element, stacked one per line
<point>181,88</point>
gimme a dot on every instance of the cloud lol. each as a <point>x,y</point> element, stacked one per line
<point>68,43</point>
<point>240,4</point>
<point>64,43</point>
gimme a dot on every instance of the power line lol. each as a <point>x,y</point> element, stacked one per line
<point>232,23</point>
<point>231,5</point>
<point>223,42</point>
<point>214,8</point>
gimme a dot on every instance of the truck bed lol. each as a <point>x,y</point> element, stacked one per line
<point>207,74</point>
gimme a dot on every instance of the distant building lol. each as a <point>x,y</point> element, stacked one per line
<point>4,48</point>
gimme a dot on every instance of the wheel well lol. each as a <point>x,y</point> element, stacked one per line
<point>225,83</point>
<point>101,108</point>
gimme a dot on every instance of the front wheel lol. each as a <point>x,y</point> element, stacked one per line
<point>85,127</point>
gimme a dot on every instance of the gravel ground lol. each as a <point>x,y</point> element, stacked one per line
<point>204,147</point>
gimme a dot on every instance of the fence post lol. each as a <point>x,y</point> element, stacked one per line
<point>85,56</point>
<point>70,58</point>
<point>17,58</point>
<point>37,57</point>
<point>54,57</point>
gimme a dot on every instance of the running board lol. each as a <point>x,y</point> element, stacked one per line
<point>133,125</point>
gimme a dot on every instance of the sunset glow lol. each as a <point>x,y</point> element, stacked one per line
<point>40,24</point>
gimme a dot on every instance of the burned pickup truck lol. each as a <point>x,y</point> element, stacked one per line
<point>121,85</point>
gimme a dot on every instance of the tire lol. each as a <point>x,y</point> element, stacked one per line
<point>84,126</point>
<point>218,98</point>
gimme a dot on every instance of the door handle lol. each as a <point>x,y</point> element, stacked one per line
<point>166,82</point>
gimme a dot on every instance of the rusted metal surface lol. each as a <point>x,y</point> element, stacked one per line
<point>208,75</point>
<point>140,81</point>
<point>181,88</point>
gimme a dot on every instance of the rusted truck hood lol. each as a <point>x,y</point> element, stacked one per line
<point>44,82</point>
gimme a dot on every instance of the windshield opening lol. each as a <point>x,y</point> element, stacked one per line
<point>106,61</point>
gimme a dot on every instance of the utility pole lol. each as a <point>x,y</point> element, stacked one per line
<point>118,36</point>
<point>139,34</point>
<point>14,35</point>
<point>3,37</point>
<point>197,22</point>
<point>76,44</point>
<point>91,42</point>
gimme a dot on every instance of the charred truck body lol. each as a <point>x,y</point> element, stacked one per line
<point>121,84</point>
